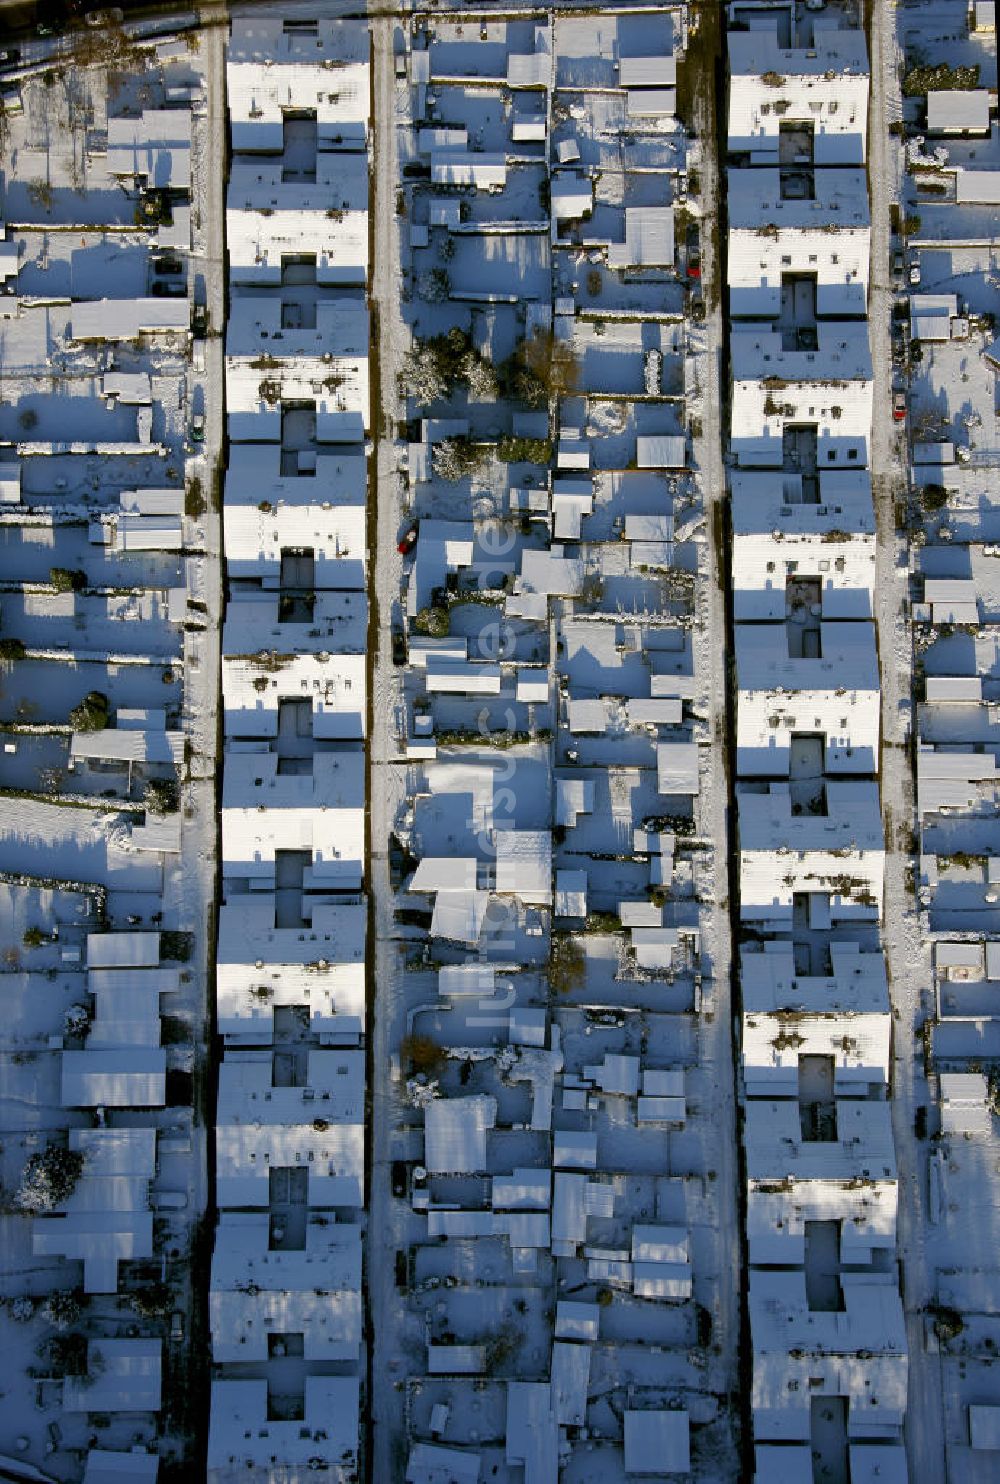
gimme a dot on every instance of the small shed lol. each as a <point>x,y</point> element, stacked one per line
<point>657,1443</point>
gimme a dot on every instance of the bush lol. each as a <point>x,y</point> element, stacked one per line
<point>152,1301</point>
<point>49,1178</point>
<point>567,965</point>
<point>540,368</point>
<point>33,937</point>
<point>66,581</point>
<point>434,286</point>
<point>22,1309</point>
<point>176,946</point>
<point>162,796</point>
<point>65,1355</point>
<point>434,621</point>
<point>925,79</point>
<point>194,499</point>
<point>454,458</point>
<point>12,649</point>
<point>433,368</point>
<point>76,1021</point>
<point>524,450</point>
<point>92,713</point>
<point>423,1053</point>
<point>61,1308</point>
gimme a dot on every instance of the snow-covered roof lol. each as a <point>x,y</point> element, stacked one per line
<point>953,111</point>
<point>853,819</point>
<point>649,239</point>
<point>858,1353</point>
<point>318,1124</point>
<point>121,1376</point>
<point>524,864</point>
<point>532,1438</point>
<point>123,950</point>
<point>255,1291</point>
<point>657,1442</point>
<point>106,1219</point>
<point>839,199</point>
<point>105,1467</point>
<point>243,1436</point>
<point>677,768</point>
<point>862,1148</point>
<point>842,354</point>
<point>260,967</point>
<point>155,145</point>
<point>269,217</point>
<point>126,319</point>
<point>133,1077</point>
<point>847,661</point>
<point>272,69</point>
<point>455,1134</point>
<point>320,812</point>
<point>430,1464</point>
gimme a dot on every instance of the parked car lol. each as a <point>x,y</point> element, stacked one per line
<point>401,1267</point>
<point>398,645</point>
<point>198,428</point>
<point>399,1178</point>
<point>898,269</point>
<point>176,1327</point>
<point>914,271</point>
<point>165,289</point>
<point>692,243</point>
<point>899,406</point>
<point>408,540</point>
<point>168,266</point>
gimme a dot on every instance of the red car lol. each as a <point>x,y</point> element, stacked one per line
<point>899,406</point>
<point>408,542</point>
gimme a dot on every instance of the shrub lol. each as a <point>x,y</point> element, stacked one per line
<point>66,581</point>
<point>22,1309</point>
<point>454,458</point>
<point>925,79</point>
<point>434,286</point>
<point>12,649</point>
<point>92,713</point>
<point>540,368</point>
<point>162,796</point>
<point>567,965</point>
<point>76,1021</point>
<point>435,621</point>
<point>176,946</point>
<point>48,1178</point>
<point>61,1308</point>
<point>33,937</point>
<point>152,1301</point>
<point>194,499</point>
<point>524,450</point>
<point>65,1355</point>
<point>423,1053</point>
<point>433,368</point>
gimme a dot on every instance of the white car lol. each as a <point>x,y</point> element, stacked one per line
<point>914,272</point>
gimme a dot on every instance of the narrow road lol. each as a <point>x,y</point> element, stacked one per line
<point>386,1228</point>
<point>907,958</point>
<point>715,1023</point>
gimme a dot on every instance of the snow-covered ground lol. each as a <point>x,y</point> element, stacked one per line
<point>116,631</point>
